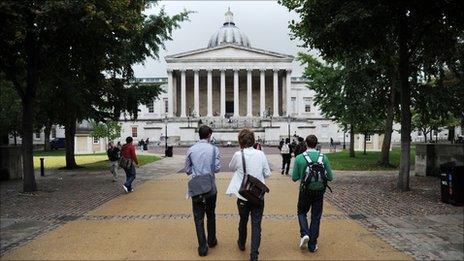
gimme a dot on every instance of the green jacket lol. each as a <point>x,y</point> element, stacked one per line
<point>299,168</point>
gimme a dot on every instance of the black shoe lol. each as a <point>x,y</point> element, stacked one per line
<point>202,252</point>
<point>241,246</point>
<point>212,243</point>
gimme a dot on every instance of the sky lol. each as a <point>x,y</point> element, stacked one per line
<point>264,22</point>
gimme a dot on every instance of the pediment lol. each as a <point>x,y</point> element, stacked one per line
<point>228,52</point>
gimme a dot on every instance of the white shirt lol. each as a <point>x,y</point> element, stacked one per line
<point>256,165</point>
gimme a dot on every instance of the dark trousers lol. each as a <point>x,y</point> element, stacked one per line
<point>286,158</point>
<point>305,203</point>
<point>207,206</point>
<point>130,177</point>
<point>244,210</point>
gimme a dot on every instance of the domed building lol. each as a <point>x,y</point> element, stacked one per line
<point>230,85</point>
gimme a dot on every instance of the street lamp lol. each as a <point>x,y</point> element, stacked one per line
<point>166,135</point>
<point>288,125</point>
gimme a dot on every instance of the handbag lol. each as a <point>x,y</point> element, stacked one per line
<point>252,188</point>
<point>125,163</point>
<point>202,187</point>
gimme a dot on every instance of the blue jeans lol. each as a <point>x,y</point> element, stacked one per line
<point>305,203</point>
<point>130,177</point>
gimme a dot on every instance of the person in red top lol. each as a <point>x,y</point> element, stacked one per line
<point>128,152</point>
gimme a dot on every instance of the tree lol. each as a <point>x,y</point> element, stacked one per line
<point>71,46</point>
<point>10,112</point>
<point>344,93</point>
<point>355,27</point>
<point>109,129</point>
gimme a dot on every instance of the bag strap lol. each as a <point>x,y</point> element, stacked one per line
<point>306,156</point>
<point>244,164</point>
<point>213,168</point>
<point>320,158</point>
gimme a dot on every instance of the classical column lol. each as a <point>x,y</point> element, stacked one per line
<point>288,90</point>
<point>182,94</point>
<point>276,93</point>
<point>170,95</point>
<point>210,93</point>
<point>196,93</point>
<point>283,94</point>
<point>262,92</point>
<point>236,94</point>
<point>249,94</point>
<point>223,93</point>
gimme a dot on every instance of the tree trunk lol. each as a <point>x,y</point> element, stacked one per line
<point>47,130</point>
<point>425,135</point>
<point>70,132</point>
<point>352,155</point>
<point>431,136</point>
<point>29,184</point>
<point>365,143</point>
<point>386,143</point>
<point>451,133</point>
<point>403,68</point>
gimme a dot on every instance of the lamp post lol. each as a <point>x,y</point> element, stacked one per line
<point>165,135</point>
<point>288,125</point>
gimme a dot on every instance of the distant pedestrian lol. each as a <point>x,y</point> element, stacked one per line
<point>113,153</point>
<point>119,145</point>
<point>257,146</point>
<point>332,145</point>
<point>312,168</point>
<point>145,144</point>
<point>286,152</point>
<point>300,147</point>
<point>202,162</point>
<point>128,153</point>
<point>256,165</point>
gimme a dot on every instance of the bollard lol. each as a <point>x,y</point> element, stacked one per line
<point>42,172</point>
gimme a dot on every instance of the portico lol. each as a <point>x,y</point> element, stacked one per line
<point>229,78</point>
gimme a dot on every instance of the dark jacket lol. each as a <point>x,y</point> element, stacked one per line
<point>113,153</point>
<point>300,148</point>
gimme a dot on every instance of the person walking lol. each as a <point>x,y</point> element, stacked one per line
<point>313,169</point>
<point>286,152</point>
<point>202,162</point>
<point>257,166</point>
<point>113,153</point>
<point>300,147</point>
<point>128,152</point>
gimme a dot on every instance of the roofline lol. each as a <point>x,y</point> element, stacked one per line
<point>173,56</point>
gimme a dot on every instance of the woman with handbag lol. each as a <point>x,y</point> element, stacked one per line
<point>251,168</point>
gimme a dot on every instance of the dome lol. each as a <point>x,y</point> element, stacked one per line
<point>228,34</point>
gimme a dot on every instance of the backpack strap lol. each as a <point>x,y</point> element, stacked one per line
<point>306,156</point>
<point>320,158</point>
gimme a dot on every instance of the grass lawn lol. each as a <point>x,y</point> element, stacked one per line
<point>342,161</point>
<point>90,162</point>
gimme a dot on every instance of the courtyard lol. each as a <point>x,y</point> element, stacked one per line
<point>84,215</point>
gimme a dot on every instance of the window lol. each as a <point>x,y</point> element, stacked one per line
<point>37,135</point>
<point>368,138</point>
<point>307,104</point>
<point>419,133</point>
<point>134,132</point>
<point>96,140</point>
<point>53,132</point>
<point>293,104</point>
<point>151,108</point>
<point>166,105</point>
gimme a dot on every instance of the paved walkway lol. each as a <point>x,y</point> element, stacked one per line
<point>155,222</point>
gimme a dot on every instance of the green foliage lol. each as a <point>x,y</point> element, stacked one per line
<point>348,92</point>
<point>10,109</point>
<point>109,129</point>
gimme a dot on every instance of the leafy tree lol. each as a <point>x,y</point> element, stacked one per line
<point>10,112</point>
<point>109,129</point>
<point>404,29</point>
<point>77,49</point>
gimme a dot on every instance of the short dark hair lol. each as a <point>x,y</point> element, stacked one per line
<point>204,131</point>
<point>311,141</point>
<point>300,139</point>
<point>246,138</point>
<point>129,139</point>
<point>287,140</point>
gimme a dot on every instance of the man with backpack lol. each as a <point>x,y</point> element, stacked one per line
<point>313,169</point>
<point>286,152</point>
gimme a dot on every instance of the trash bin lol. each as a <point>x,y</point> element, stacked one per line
<point>452,183</point>
<point>168,152</point>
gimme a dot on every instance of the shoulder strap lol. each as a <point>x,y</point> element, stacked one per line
<point>244,164</point>
<point>306,156</point>
<point>320,158</point>
<point>213,161</point>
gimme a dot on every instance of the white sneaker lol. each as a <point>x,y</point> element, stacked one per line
<point>304,241</point>
<point>125,189</point>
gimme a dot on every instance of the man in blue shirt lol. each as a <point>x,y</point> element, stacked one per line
<point>203,159</point>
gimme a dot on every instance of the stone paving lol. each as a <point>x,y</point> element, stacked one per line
<point>414,222</point>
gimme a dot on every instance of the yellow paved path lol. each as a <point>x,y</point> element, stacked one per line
<point>154,223</point>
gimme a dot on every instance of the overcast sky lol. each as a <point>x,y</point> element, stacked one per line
<point>264,22</point>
